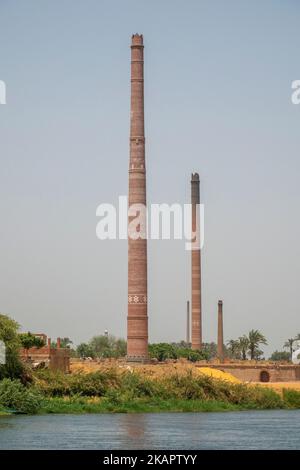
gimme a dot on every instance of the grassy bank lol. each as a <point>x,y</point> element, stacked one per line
<point>82,404</point>
<point>114,390</point>
<point>79,405</point>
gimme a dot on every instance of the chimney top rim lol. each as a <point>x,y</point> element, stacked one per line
<point>195,177</point>
<point>137,39</point>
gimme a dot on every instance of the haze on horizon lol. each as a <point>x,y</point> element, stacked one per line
<point>217,101</point>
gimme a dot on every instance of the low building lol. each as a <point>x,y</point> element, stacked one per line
<point>261,372</point>
<point>55,358</point>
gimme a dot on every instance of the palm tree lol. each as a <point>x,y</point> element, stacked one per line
<point>289,344</point>
<point>255,339</point>
<point>244,345</point>
<point>234,348</point>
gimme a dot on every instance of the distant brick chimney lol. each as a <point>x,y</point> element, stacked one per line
<point>220,331</point>
<point>196,266</point>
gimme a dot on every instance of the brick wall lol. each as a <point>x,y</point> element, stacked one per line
<point>261,373</point>
<point>56,359</point>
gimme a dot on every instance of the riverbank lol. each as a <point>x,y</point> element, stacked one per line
<point>3,411</point>
<point>82,405</point>
<point>123,390</point>
<point>179,389</point>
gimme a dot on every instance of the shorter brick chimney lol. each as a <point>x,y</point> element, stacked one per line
<point>220,331</point>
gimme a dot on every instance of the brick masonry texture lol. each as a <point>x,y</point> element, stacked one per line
<point>196,268</point>
<point>137,319</point>
<point>220,331</point>
<point>261,372</point>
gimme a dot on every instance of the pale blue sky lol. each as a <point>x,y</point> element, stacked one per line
<point>217,100</point>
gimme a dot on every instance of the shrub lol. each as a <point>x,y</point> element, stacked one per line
<point>139,386</point>
<point>282,356</point>
<point>13,367</point>
<point>28,340</point>
<point>124,388</point>
<point>15,396</point>
<point>93,384</point>
<point>57,384</point>
<point>163,351</point>
<point>185,387</point>
<point>292,398</point>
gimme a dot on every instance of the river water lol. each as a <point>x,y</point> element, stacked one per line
<point>230,430</point>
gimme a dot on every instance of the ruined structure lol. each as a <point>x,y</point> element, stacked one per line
<point>220,346</point>
<point>196,265</point>
<point>56,358</point>
<point>137,320</point>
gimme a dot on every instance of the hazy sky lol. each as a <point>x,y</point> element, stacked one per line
<point>217,100</point>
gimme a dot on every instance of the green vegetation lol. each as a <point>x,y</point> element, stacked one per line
<point>114,391</point>
<point>9,335</point>
<point>244,343</point>
<point>28,340</point>
<point>82,405</point>
<point>102,346</point>
<point>247,345</point>
<point>15,396</point>
<point>256,338</point>
<point>65,342</point>
<point>289,344</point>
<point>105,346</point>
<point>291,398</point>
<point>163,351</point>
<point>281,356</point>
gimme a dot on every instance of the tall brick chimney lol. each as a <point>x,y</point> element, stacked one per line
<point>220,331</point>
<point>188,339</point>
<point>137,320</point>
<point>196,265</point>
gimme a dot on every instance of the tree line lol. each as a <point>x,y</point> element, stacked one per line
<point>108,346</point>
<point>248,346</point>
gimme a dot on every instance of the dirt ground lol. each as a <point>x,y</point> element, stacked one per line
<point>151,370</point>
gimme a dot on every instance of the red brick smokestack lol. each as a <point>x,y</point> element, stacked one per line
<point>188,340</point>
<point>137,320</point>
<point>196,265</point>
<point>220,331</point>
<point>58,343</point>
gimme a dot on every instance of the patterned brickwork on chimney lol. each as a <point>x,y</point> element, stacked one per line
<point>137,319</point>
<point>196,266</point>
